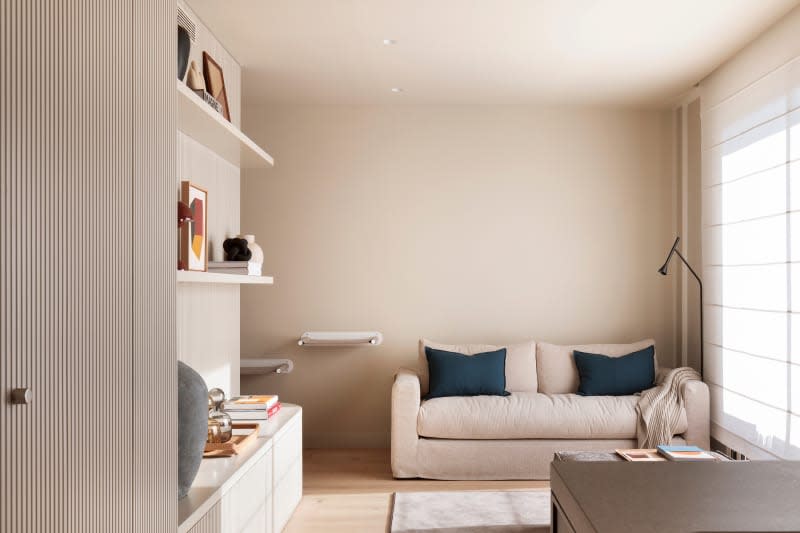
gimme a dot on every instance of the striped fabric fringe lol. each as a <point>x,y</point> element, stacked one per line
<point>659,408</point>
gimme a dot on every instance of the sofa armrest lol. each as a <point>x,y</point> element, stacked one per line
<point>698,414</point>
<point>405,409</point>
<point>698,410</point>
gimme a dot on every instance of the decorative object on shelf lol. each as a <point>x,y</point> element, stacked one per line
<point>184,45</point>
<point>236,249</point>
<point>265,366</point>
<point>340,338</point>
<point>246,435</point>
<point>210,100</point>
<point>184,216</point>
<point>215,83</point>
<point>194,80</point>
<point>192,424</point>
<point>663,272</point>
<point>216,397</point>
<point>194,235</point>
<point>257,257</point>
<point>214,432</point>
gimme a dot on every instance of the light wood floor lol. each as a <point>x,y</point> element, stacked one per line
<point>350,491</point>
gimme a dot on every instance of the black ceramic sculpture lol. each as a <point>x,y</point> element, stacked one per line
<point>184,45</point>
<point>192,425</point>
<point>236,249</point>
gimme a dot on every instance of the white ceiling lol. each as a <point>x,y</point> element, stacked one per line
<point>633,52</point>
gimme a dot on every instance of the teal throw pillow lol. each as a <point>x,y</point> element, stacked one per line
<point>455,374</point>
<point>601,375</point>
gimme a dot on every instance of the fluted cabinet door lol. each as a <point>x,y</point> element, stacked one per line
<point>78,326</point>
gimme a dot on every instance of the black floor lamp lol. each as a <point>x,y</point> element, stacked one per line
<point>663,272</point>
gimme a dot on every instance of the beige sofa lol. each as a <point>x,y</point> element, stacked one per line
<point>514,437</point>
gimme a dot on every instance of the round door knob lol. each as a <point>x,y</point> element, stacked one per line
<point>21,396</point>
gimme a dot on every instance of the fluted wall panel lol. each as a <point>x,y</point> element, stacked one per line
<point>155,242</point>
<point>87,306</point>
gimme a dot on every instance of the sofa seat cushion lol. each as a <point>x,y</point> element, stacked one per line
<point>530,415</point>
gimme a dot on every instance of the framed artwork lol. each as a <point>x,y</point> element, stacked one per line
<point>194,233</point>
<point>215,83</point>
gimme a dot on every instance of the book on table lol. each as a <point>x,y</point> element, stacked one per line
<point>263,423</point>
<point>251,403</point>
<point>640,455</point>
<point>686,453</point>
<point>254,414</point>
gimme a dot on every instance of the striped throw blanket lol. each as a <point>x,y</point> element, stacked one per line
<point>659,408</point>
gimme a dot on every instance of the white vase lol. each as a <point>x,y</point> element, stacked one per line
<point>256,257</point>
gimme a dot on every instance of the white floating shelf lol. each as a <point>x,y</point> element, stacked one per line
<point>248,366</point>
<point>200,122</point>
<point>188,276</point>
<point>340,338</point>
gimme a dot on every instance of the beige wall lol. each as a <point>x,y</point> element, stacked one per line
<point>489,224</point>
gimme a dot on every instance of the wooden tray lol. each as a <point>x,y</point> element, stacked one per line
<point>235,445</point>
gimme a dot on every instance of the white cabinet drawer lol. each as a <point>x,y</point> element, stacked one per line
<point>247,496</point>
<point>261,522</point>
<point>287,449</point>
<point>287,494</point>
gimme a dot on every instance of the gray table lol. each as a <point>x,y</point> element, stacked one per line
<point>617,497</point>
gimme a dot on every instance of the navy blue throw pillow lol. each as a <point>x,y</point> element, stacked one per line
<point>601,375</point>
<point>455,374</point>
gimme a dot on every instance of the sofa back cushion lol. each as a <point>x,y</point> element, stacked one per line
<point>555,364</point>
<point>520,362</point>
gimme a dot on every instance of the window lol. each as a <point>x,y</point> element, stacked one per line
<point>751,256</point>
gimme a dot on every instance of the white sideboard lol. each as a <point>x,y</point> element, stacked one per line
<point>253,492</point>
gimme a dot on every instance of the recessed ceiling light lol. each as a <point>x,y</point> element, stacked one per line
<point>389,42</point>
<point>397,89</point>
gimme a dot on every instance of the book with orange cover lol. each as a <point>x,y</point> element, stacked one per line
<point>640,455</point>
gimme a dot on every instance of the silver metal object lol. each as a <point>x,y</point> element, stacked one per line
<point>21,396</point>
<point>216,398</point>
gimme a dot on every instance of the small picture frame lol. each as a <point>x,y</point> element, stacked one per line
<point>215,83</point>
<point>194,233</point>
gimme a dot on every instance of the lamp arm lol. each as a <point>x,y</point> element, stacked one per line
<point>700,283</point>
<point>685,262</point>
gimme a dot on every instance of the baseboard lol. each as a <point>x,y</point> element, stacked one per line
<point>365,439</point>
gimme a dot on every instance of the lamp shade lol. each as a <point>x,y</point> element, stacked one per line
<point>665,266</point>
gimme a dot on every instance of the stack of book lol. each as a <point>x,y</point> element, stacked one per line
<point>252,408</point>
<point>244,268</point>
<point>669,453</point>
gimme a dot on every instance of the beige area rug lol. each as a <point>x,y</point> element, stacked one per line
<point>471,512</point>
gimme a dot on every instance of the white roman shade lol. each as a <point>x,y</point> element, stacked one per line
<point>751,243</point>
